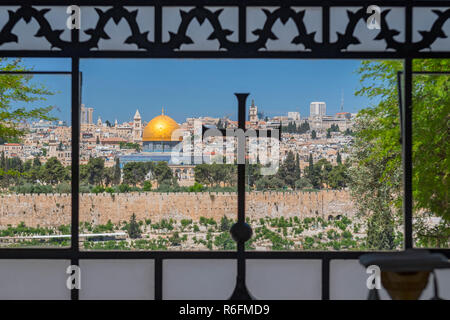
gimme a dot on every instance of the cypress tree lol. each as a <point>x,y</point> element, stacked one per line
<point>338,158</point>
<point>133,228</point>
<point>116,177</point>
<point>311,167</point>
<point>36,162</point>
<point>297,167</point>
<point>3,161</point>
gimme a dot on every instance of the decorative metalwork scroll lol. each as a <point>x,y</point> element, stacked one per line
<point>169,30</point>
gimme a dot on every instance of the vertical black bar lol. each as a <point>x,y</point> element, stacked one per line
<point>326,23</point>
<point>241,192</point>
<point>158,279</point>
<point>407,134</point>
<point>242,24</point>
<point>158,24</point>
<point>75,163</point>
<point>325,278</point>
<point>241,166</point>
<point>407,154</point>
<point>75,106</point>
<point>240,231</point>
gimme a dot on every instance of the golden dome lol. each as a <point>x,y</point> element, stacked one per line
<point>160,128</point>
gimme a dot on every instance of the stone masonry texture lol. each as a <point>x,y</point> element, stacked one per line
<point>52,210</point>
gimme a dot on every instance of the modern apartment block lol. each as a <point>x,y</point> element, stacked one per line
<point>317,109</point>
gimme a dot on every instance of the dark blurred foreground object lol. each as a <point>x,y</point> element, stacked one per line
<point>405,274</point>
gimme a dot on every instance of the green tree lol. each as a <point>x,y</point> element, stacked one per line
<point>431,139</point>
<point>338,158</point>
<point>202,174</point>
<point>84,173</point>
<point>108,176</point>
<point>376,156</point>
<point>15,163</point>
<point>18,88</point>
<point>253,172</point>
<point>313,134</point>
<point>163,173</point>
<point>124,188</point>
<point>334,128</point>
<point>3,161</point>
<point>53,171</point>
<point>297,172</point>
<point>134,173</point>
<point>197,187</point>
<point>322,169</point>
<point>27,165</point>
<point>133,229</point>
<point>147,186</point>
<point>303,183</point>
<point>287,170</point>
<point>218,172</point>
<point>312,174</point>
<point>303,128</point>
<point>380,231</point>
<point>348,132</point>
<point>117,172</point>
<point>35,172</point>
<point>269,183</point>
<point>36,162</point>
<point>95,170</point>
<point>338,177</point>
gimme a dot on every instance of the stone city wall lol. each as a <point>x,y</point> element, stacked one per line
<point>48,210</point>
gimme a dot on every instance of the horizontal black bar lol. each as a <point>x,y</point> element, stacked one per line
<point>325,254</point>
<point>6,253</point>
<point>157,254</point>
<point>171,3</point>
<point>307,255</point>
<point>324,54</point>
<point>31,253</point>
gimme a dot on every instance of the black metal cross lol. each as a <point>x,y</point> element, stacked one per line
<point>241,232</point>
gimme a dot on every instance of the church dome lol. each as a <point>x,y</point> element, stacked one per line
<point>160,128</point>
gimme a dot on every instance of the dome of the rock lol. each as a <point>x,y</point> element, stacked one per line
<point>160,128</point>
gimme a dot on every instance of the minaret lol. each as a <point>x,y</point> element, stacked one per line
<point>342,101</point>
<point>137,127</point>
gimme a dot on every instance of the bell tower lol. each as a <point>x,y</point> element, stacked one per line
<point>253,113</point>
<point>137,127</point>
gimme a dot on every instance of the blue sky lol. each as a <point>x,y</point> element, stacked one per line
<point>115,88</point>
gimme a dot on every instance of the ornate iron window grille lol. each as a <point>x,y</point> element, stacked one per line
<point>242,47</point>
